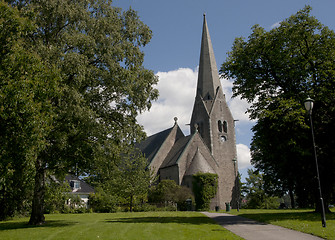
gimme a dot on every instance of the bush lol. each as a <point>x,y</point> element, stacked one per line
<point>168,194</point>
<point>102,202</point>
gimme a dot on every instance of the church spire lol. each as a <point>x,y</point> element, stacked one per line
<point>208,77</point>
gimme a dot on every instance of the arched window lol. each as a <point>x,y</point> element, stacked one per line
<point>220,126</point>
<point>225,126</point>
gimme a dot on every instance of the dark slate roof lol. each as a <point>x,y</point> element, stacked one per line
<point>151,145</point>
<point>174,154</point>
<point>84,187</point>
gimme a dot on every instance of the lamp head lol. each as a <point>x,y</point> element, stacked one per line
<point>309,104</point>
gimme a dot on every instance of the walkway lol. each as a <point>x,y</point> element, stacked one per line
<point>252,230</point>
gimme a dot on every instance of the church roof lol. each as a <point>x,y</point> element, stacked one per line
<point>208,77</point>
<point>199,164</point>
<point>151,145</point>
<point>177,149</point>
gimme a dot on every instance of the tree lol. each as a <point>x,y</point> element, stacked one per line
<point>131,179</point>
<point>275,71</point>
<point>256,194</point>
<point>26,113</point>
<point>97,49</point>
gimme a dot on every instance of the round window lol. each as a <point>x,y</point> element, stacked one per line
<point>223,138</point>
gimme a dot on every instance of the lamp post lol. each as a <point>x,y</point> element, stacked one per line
<point>238,190</point>
<point>309,103</point>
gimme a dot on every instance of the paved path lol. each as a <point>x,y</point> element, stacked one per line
<point>252,230</point>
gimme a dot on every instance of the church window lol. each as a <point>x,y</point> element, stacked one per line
<point>223,138</point>
<point>220,126</point>
<point>225,126</point>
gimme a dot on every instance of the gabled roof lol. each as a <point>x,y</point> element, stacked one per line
<point>84,187</point>
<point>177,149</point>
<point>151,145</point>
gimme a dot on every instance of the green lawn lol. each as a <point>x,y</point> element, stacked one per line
<point>301,220</point>
<point>148,225</point>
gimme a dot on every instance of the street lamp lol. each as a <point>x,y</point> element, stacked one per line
<point>309,103</point>
<point>238,189</point>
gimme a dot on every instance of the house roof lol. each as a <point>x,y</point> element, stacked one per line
<point>84,187</point>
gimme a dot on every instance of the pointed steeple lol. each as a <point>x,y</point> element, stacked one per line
<point>208,77</point>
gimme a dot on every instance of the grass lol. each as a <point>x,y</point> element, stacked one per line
<point>147,225</point>
<point>303,220</point>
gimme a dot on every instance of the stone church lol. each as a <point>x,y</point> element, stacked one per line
<point>211,146</point>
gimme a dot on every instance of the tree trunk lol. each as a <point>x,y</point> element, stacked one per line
<point>37,214</point>
<point>131,203</point>
<point>290,192</point>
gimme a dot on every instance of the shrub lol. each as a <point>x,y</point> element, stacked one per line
<point>103,202</point>
<point>168,194</point>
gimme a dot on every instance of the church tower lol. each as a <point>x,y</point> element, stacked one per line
<point>213,120</point>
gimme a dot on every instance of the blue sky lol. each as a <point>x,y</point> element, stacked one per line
<point>173,53</point>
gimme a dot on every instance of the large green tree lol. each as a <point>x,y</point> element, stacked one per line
<point>97,49</point>
<point>275,71</point>
<point>26,112</point>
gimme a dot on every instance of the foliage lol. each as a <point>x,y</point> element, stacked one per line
<point>131,179</point>
<point>255,192</point>
<point>122,226</point>
<point>168,192</point>
<point>96,49</point>
<point>56,196</point>
<point>275,71</point>
<point>204,188</point>
<point>102,202</point>
<point>26,113</point>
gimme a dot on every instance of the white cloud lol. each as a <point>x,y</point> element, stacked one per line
<point>177,90</point>
<point>176,98</point>
<point>275,25</point>
<point>243,156</point>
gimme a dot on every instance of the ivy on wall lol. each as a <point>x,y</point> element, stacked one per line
<point>205,186</point>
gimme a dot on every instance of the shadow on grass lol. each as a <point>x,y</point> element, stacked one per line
<point>284,216</point>
<point>21,225</point>
<point>233,220</point>
<point>180,220</point>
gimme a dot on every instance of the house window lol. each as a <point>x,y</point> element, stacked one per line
<point>75,184</point>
